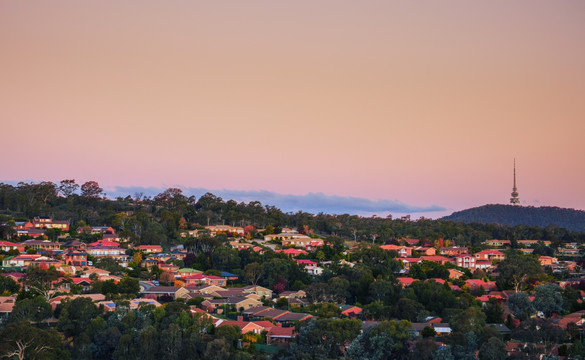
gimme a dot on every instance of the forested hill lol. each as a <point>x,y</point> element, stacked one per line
<point>544,216</point>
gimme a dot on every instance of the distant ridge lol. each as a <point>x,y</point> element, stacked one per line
<point>570,219</point>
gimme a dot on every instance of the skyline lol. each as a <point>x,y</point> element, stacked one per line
<point>421,105</point>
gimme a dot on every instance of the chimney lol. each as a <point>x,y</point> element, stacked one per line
<point>240,318</point>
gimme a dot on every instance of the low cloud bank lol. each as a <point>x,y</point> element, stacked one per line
<point>311,202</point>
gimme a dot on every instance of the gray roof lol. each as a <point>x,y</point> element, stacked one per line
<point>254,310</point>
<point>291,316</point>
<point>162,290</point>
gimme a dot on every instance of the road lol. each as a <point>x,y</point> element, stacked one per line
<point>145,285</point>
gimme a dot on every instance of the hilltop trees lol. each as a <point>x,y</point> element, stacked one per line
<point>91,189</point>
<point>67,187</point>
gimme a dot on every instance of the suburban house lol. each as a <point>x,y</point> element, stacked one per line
<point>490,255</point>
<point>6,306</point>
<point>305,262</point>
<point>465,261</point>
<point>406,281</point>
<point>314,270</point>
<point>497,243</point>
<point>96,230</point>
<point>258,290</point>
<point>454,250</point>
<point>408,262</point>
<point>438,259</point>
<point>350,310</point>
<point>295,239</point>
<point>201,279</point>
<point>74,245</point>
<point>245,326</point>
<point>483,264</point>
<point>48,223</point>
<point>475,284</point>
<point>106,251</point>
<point>7,246</point>
<point>237,302</point>
<point>424,250</point>
<point>547,260</point>
<point>54,302</point>
<point>111,237</point>
<point>184,272</point>
<point>218,229</point>
<point>149,249</point>
<point>533,242</point>
<point>172,291</point>
<point>299,294</point>
<point>99,272</point>
<point>41,245</point>
<point>190,233</point>
<point>292,252</point>
<point>32,232</point>
<point>403,251</point>
<point>20,260</point>
<point>134,304</point>
<point>76,258</point>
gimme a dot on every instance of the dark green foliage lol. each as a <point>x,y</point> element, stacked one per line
<point>520,305</point>
<point>471,319</point>
<point>577,350</point>
<point>109,264</point>
<point>494,312</point>
<point>383,290</point>
<point>387,340</point>
<point>8,286</point>
<point>22,340</point>
<point>325,310</point>
<point>548,299</point>
<point>428,331</point>
<point>408,309</point>
<point>76,316</point>
<point>434,296</point>
<point>493,349</point>
<point>424,349</point>
<point>35,310</point>
<point>517,270</point>
<point>323,338</point>
<point>539,331</point>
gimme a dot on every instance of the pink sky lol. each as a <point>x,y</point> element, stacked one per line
<point>422,102</point>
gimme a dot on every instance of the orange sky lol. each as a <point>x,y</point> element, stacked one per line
<point>422,102</point>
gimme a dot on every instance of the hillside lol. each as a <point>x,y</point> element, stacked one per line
<point>570,219</point>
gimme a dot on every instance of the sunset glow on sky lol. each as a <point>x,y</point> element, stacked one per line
<point>420,103</point>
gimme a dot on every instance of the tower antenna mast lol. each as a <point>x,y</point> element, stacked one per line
<point>514,199</point>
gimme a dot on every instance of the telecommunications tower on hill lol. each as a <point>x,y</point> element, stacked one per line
<point>514,199</point>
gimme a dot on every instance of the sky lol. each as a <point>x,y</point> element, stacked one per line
<point>369,107</point>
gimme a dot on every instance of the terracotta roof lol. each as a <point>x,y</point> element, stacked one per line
<point>6,307</point>
<point>281,332</point>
